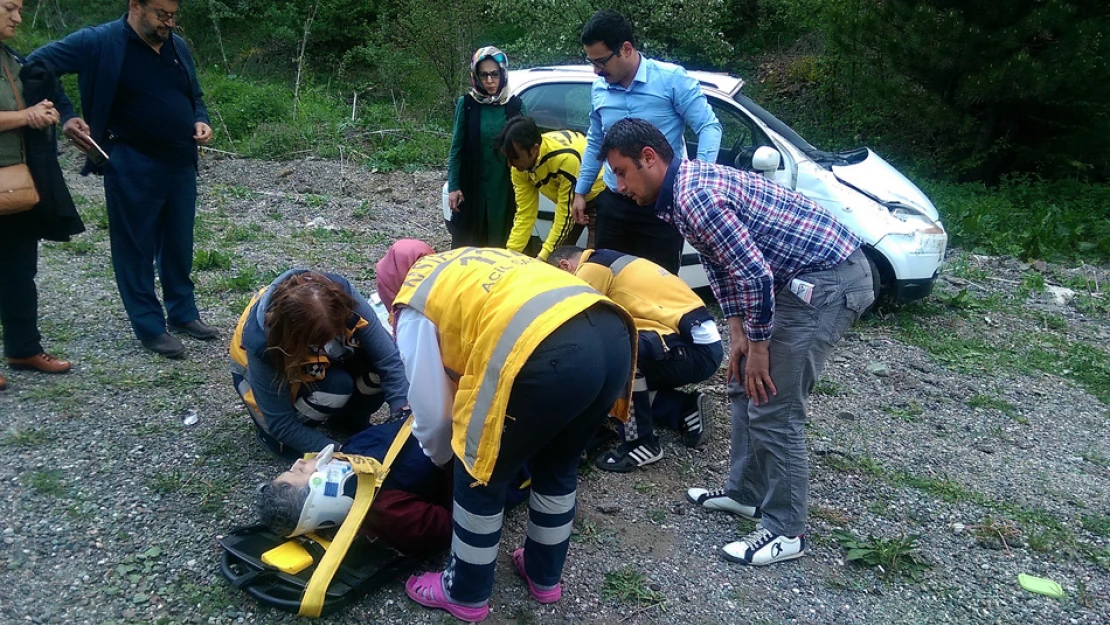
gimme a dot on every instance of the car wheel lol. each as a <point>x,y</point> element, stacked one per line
<point>877,276</point>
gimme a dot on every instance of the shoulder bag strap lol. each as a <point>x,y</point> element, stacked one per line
<point>18,101</point>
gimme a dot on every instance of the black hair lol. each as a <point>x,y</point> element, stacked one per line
<point>520,130</point>
<point>610,28</point>
<point>630,136</point>
<point>563,252</point>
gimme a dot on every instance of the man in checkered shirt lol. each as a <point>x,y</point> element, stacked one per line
<point>791,280</point>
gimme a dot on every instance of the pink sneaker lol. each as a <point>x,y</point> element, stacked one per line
<point>543,596</point>
<point>427,590</point>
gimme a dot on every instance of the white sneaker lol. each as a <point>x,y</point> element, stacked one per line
<point>718,500</point>
<point>761,548</point>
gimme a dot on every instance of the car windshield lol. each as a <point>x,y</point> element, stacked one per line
<point>775,124</point>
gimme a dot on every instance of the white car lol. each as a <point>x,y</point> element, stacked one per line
<point>901,229</point>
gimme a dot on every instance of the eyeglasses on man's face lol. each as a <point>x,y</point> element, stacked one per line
<point>163,16</point>
<point>494,75</point>
<point>601,63</point>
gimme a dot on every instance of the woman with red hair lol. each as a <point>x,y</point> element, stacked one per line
<point>309,349</point>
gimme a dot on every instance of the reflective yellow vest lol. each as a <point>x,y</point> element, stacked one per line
<point>658,300</point>
<point>492,307</point>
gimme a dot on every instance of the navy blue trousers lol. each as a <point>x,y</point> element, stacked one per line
<point>151,210</point>
<point>345,399</point>
<point>559,399</point>
<point>662,371</point>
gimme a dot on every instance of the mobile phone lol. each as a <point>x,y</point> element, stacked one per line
<point>97,156</point>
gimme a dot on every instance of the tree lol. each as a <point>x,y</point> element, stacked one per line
<point>994,86</point>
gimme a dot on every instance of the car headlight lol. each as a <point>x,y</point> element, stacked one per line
<point>916,218</point>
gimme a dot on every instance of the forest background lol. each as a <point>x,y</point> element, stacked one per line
<point>999,109</point>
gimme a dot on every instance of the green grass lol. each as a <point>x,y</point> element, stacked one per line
<point>1027,217</point>
<point>209,260</point>
<point>239,234</point>
<point>1082,362</point>
<point>1045,532</point>
<point>828,388</point>
<point>1097,524</point>
<point>254,117</point>
<point>234,191</point>
<point>80,247</point>
<point>246,280</point>
<point>48,482</point>
<point>20,439</point>
<point>1050,321</point>
<point>629,586</point>
<point>963,266</point>
<point>910,413</point>
<point>993,403</point>
<point>895,556</point>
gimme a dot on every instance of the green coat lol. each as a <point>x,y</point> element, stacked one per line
<point>488,196</point>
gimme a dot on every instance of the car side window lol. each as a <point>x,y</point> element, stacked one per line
<point>740,136</point>
<point>559,106</point>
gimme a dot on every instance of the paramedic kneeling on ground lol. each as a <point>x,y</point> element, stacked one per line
<point>510,359</point>
<point>309,349</point>
<point>791,280</point>
<point>678,344</point>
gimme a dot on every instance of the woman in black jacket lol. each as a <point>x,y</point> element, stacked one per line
<point>27,136</point>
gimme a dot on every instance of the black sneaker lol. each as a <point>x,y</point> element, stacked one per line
<point>628,456</point>
<point>696,425</point>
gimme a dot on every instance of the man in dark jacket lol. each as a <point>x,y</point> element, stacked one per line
<point>145,108</point>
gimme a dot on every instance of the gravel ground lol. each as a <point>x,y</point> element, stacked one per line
<point>972,421</point>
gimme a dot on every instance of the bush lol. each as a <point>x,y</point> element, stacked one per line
<point>1027,217</point>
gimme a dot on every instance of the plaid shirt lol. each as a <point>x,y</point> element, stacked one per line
<point>753,235</point>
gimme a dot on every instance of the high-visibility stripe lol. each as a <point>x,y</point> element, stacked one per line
<point>419,299</point>
<point>477,523</point>
<point>639,383</point>
<point>621,263</point>
<point>551,504</point>
<point>550,535</point>
<point>470,554</point>
<point>522,319</point>
<point>369,384</point>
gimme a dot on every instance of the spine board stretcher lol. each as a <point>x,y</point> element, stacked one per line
<point>342,570</point>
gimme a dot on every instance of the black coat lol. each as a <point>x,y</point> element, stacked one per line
<point>55,217</point>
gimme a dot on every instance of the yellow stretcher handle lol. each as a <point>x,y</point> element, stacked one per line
<point>371,475</point>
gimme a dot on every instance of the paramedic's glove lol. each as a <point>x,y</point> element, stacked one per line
<point>400,414</point>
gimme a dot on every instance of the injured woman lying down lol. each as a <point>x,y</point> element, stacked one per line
<point>411,512</point>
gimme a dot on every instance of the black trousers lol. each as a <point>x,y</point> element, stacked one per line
<point>625,226</point>
<point>19,298</point>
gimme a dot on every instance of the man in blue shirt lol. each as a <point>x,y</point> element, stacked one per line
<point>631,85</point>
<point>140,92</point>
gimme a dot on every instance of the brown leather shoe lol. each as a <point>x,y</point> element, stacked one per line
<point>3,383</point>
<point>42,362</point>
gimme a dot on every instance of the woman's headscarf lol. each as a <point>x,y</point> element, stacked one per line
<point>395,265</point>
<point>476,90</point>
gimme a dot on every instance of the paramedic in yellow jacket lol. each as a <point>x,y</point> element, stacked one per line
<point>547,164</point>
<point>679,344</point>
<point>510,359</point>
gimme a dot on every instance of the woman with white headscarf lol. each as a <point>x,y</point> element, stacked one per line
<point>479,181</point>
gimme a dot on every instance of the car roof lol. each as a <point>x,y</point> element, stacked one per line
<point>521,78</point>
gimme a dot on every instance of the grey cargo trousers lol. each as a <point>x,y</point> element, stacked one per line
<point>769,467</point>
